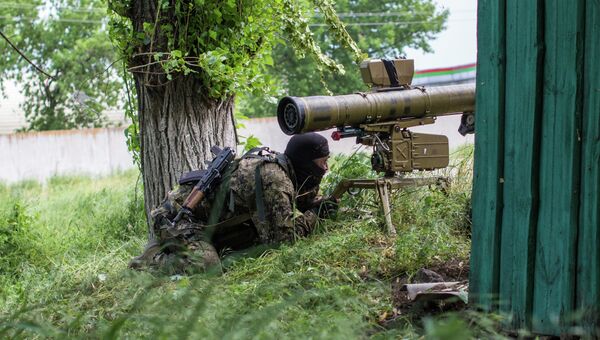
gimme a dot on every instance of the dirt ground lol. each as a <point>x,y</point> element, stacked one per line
<point>453,270</point>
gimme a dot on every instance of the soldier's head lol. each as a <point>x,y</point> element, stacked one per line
<point>308,153</point>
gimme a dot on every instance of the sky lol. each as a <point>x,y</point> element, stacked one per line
<point>457,45</point>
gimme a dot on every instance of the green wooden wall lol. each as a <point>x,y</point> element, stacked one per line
<point>536,230</point>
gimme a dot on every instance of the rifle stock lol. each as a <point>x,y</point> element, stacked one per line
<point>195,197</point>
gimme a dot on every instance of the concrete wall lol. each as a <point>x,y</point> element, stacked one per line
<point>40,155</point>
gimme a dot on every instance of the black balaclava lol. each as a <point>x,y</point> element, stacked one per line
<point>302,150</point>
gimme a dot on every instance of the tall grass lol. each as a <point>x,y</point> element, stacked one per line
<point>64,228</point>
<point>65,246</point>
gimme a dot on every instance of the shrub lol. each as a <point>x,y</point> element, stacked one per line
<point>18,242</point>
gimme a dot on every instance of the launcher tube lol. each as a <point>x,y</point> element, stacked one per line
<point>315,113</point>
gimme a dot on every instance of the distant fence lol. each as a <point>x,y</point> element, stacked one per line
<point>40,155</point>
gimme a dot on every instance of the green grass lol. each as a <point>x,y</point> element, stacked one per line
<point>65,247</point>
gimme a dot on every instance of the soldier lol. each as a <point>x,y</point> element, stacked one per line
<point>265,197</point>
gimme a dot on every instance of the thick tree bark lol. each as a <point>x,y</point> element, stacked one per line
<point>178,126</point>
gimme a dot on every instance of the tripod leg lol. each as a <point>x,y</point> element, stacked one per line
<point>384,196</point>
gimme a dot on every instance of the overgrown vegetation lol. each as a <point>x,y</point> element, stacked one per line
<point>65,246</point>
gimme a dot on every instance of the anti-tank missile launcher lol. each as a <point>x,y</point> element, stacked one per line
<point>381,119</point>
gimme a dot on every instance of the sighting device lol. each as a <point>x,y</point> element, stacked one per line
<point>381,119</point>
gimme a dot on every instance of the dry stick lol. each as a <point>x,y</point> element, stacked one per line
<point>25,57</point>
<point>131,69</point>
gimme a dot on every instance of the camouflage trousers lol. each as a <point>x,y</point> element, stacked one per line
<point>178,253</point>
<point>184,249</point>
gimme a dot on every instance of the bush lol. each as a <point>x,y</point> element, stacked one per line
<point>18,242</point>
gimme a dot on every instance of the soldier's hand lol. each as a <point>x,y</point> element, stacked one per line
<point>328,207</point>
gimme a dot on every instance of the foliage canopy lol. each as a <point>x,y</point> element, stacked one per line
<point>214,48</point>
<point>66,39</point>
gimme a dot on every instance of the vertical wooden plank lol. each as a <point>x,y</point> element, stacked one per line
<point>588,263</point>
<point>554,289</point>
<point>524,73</point>
<point>487,189</point>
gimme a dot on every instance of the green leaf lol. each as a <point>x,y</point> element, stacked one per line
<point>268,60</point>
<point>251,142</point>
<point>217,16</point>
<point>176,54</point>
<point>148,27</point>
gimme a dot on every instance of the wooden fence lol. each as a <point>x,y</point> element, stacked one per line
<point>536,228</point>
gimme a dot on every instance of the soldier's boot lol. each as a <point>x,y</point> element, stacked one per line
<point>147,257</point>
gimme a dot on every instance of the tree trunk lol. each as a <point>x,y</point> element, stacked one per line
<point>178,126</point>
<point>178,122</point>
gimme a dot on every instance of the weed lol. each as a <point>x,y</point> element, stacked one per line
<point>17,239</point>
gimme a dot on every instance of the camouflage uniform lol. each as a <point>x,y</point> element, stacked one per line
<point>282,216</point>
<point>287,215</point>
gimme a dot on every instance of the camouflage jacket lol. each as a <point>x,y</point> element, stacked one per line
<point>286,215</point>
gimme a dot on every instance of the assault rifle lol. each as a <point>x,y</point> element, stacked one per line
<point>381,119</point>
<point>208,180</point>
